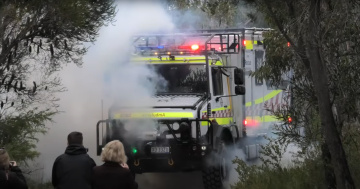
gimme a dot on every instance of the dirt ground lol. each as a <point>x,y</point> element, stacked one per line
<point>192,180</point>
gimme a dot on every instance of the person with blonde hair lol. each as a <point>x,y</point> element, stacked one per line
<point>114,173</point>
<point>10,174</point>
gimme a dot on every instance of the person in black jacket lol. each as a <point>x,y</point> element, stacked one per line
<point>114,173</point>
<point>11,176</point>
<point>72,170</point>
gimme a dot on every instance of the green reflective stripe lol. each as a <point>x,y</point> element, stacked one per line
<point>267,97</point>
<point>266,118</point>
<point>137,58</point>
<point>218,63</point>
<point>170,62</point>
<point>249,45</point>
<point>178,60</point>
<point>255,43</point>
<point>220,121</point>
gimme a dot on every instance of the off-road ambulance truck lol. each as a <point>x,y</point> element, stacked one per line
<point>207,107</point>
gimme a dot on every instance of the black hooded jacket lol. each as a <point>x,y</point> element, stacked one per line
<point>16,179</point>
<point>73,169</point>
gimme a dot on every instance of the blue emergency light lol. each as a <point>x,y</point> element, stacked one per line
<point>151,47</point>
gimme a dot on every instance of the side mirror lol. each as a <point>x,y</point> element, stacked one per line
<point>239,76</point>
<point>240,90</point>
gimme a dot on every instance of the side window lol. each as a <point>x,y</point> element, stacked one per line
<point>217,81</point>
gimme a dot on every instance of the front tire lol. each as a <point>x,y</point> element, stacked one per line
<point>216,176</point>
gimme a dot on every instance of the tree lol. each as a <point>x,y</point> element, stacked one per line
<point>210,14</point>
<point>36,38</point>
<point>322,35</point>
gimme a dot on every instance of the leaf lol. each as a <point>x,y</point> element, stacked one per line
<point>34,88</point>
<point>2,104</point>
<point>15,86</point>
<point>21,86</point>
<point>16,46</point>
<point>9,62</point>
<point>11,79</point>
<point>3,80</point>
<point>51,50</point>
<point>12,104</point>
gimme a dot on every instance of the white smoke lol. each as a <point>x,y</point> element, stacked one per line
<point>106,75</point>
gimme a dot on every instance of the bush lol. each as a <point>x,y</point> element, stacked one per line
<point>305,172</point>
<point>38,185</point>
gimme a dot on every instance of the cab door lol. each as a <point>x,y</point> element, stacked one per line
<point>219,106</point>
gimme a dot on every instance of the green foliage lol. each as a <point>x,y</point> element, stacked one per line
<point>212,14</point>
<point>19,133</point>
<point>38,185</point>
<point>305,171</point>
<point>305,175</point>
<point>36,39</point>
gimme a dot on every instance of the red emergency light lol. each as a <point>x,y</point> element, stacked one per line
<point>289,120</point>
<point>244,42</point>
<point>193,47</point>
<point>288,44</point>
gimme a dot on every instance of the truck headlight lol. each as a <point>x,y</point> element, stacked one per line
<point>175,126</point>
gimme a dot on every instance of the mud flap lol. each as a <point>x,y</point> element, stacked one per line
<point>252,151</point>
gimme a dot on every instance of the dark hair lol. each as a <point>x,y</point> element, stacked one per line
<point>75,138</point>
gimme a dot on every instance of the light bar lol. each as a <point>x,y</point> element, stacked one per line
<point>150,47</point>
<point>194,47</point>
<point>167,53</point>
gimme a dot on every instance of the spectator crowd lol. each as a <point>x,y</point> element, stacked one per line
<point>75,169</point>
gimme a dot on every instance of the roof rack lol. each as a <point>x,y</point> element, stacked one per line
<point>206,32</point>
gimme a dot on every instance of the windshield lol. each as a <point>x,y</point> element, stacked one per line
<point>181,78</point>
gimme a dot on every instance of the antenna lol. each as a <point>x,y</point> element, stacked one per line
<point>102,118</point>
<point>102,109</point>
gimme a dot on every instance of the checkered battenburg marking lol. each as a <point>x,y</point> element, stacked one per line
<point>218,114</point>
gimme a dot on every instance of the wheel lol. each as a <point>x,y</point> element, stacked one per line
<point>216,176</point>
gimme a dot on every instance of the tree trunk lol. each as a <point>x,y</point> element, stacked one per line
<point>318,72</point>
<point>328,169</point>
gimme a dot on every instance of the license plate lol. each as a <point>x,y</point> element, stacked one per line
<point>160,150</point>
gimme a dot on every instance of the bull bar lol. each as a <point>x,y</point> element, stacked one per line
<point>209,134</point>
